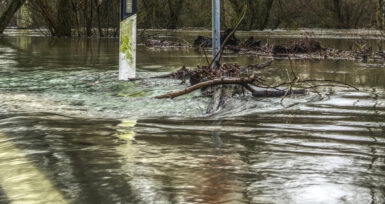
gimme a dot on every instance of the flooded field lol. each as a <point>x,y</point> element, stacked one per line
<point>71,133</point>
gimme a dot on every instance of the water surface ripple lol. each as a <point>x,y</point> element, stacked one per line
<point>71,133</point>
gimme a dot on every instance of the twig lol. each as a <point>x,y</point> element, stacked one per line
<point>207,59</point>
<point>291,67</point>
<point>257,67</point>
<point>219,53</point>
<point>292,83</point>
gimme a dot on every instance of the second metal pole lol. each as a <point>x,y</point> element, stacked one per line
<point>216,29</point>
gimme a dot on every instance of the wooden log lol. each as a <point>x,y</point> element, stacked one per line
<point>222,81</point>
<point>277,93</point>
<point>273,93</point>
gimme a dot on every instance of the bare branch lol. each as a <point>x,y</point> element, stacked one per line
<point>219,53</point>
<point>222,81</point>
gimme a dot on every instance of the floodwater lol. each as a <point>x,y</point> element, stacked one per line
<point>71,133</point>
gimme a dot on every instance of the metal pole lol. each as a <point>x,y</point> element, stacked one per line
<point>216,29</point>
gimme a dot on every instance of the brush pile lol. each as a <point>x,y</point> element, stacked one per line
<point>165,44</point>
<point>223,81</point>
<point>302,46</point>
<point>229,80</point>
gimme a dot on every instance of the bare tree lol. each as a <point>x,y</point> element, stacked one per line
<point>175,7</point>
<point>348,13</point>
<point>63,27</point>
<point>9,13</point>
<point>101,17</point>
<point>381,11</point>
<point>269,5</point>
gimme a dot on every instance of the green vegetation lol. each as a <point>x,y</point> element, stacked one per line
<point>126,38</point>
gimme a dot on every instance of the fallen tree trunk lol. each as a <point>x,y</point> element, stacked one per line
<point>202,85</point>
<point>277,93</point>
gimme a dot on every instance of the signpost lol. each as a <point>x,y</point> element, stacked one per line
<point>127,55</point>
<point>216,13</point>
<point>127,48</point>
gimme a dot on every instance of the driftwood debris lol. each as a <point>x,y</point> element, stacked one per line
<point>165,44</point>
<point>302,46</point>
<point>276,93</point>
<point>251,43</point>
<point>221,81</point>
<point>232,74</point>
<point>231,79</point>
<point>308,47</point>
<point>205,84</point>
<point>202,41</point>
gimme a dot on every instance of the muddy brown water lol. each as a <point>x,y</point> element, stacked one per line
<point>71,133</point>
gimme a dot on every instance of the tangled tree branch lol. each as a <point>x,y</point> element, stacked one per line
<point>204,77</point>
<point>222,81</point>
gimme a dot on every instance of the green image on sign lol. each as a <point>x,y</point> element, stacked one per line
<point>127,54</point>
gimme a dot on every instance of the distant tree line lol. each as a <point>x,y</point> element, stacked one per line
<point>101,17</point>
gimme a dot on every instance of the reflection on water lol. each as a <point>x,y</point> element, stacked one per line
<point>18,175</point>
<point>68,125</point>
